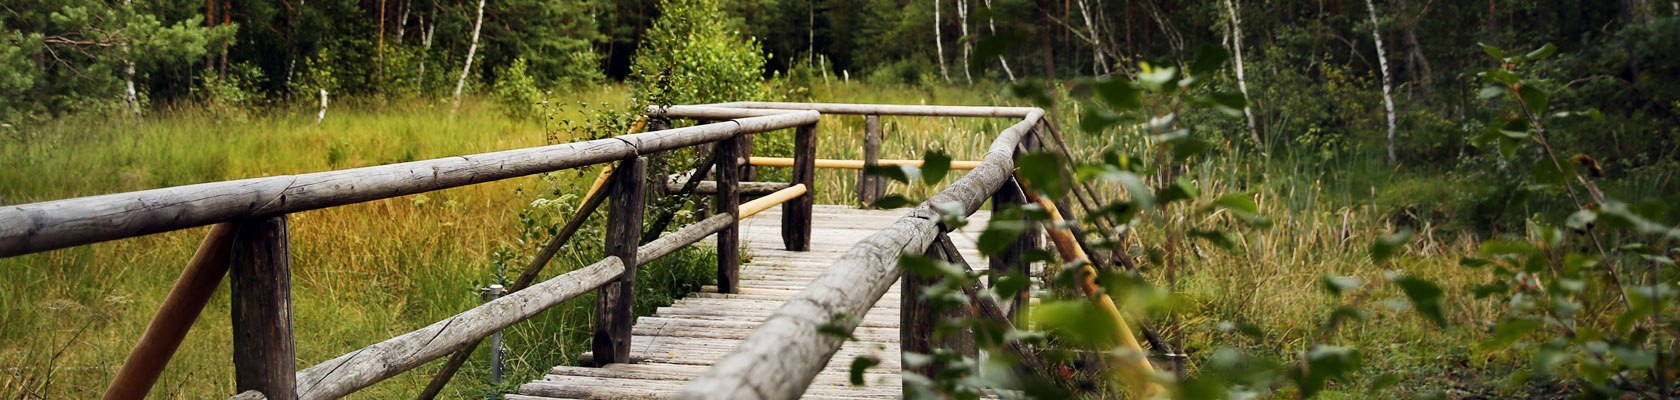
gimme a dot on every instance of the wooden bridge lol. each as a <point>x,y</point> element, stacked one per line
<point>758,334</point>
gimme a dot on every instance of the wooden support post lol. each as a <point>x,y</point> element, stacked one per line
<point>870,187</point>
<point>174,317</point>
<point>264,354</point>
<point>796,214</point>
<point>729,203</point>
<point>1011,260</point>
<point>613,316</point>
<point>916,320</point>
<point>749,173</point>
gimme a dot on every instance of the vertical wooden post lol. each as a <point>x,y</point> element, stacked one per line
<point>796,213</point>
<point>264,354</point>
<point>624,229</point>
<point>870,187</point>
<point>1010,261</point>
<point>728,201</point>
<point>916,319</point>
<point>749,173</point>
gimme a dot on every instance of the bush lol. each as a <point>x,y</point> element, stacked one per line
<point>517,92</point>
<point>687,57</point>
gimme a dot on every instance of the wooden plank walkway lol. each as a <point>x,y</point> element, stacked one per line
<point>679,342</point>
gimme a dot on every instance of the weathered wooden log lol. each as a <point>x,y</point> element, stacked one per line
<point>870,187</point>
<point>959,165</point>
<point>361,368</point>
<point>264,351</point>
<point>796,213</point>
<point>917,319</point>
<point>174,317</point>
<point>34,227</point>
<point>741,188</point>
<point>889,109</point>
<point>711,112</point>
<point>781,358</point>
<point>613,316</point>
<point>728,190</point>
<point>697,174</point>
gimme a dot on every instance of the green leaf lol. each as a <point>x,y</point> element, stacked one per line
<point>927,267</point>
<point>1426,297</point>
<point>1157,78</point>
<point>1218,238</point>
<point>1581,219</point>
<point>1120,94</point>
<point>1231,103</point>
<point>1042,171</point>
<point>1095,120</point>
<point>1337,285</point>
<point>1208,60</point>
<point>1386,246</point>
<point>1534,98</point>
<point>894,172</point>
<point>1190,147</point>
<point>1180,189</point>
<point>1490,92</point>
<point>1494,52</point>
<point>999,235</point>
<point>935,164</point>
<point>1508,332</point>
<point>1325,364</point>
<point>892,201</point>
<point>1141,195</point>
<point>1010,285</point>
<point>861,364</point>
<point>1541,53</point>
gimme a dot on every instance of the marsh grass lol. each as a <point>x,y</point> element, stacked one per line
<point>366,272</point>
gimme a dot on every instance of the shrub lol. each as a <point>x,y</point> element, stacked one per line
<point>687,57</point>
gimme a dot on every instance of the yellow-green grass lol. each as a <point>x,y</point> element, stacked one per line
<point>366,272</point>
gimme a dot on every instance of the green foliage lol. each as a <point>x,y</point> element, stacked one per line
<point>687,57</point>
<point>516,92</point>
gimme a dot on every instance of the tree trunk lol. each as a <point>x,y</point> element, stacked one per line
<point>1388,85</point>
<point>379,55</point>
<point>130,97</point>
<point>1242,83</point>
<point>425,47</point>
<point>1092,36</point>
<point>403,20</point>
<point>962,20</point>
<point>939,44</point>
<point>990,23</point>
<point>471,49</point>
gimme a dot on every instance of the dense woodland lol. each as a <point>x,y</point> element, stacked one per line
<point>1428,198</point>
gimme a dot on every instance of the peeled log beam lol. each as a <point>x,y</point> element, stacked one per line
<point>889,109</point>
<point>852,164</point>
<point>744,188</point>
<point>350,372</point>
<point>711,112</point>
<point>34,227</point>
<point>781,358</point>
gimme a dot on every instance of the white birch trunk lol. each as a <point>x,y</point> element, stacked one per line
<point>962,20</point>
<point>1388,86</point>
<point>407,5</point>
<point>1096,41</point>
<point>465,68</point>
<point>426,47</point>
<point>939,44</point>
<point>1242,83</point>
<point>131,97</point>
<point>323,114</point>
<point>991,23</point>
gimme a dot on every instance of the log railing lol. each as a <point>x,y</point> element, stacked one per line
<point>250,243</point>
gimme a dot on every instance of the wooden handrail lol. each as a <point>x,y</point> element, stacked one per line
<point>853,164</point>
<point>35,227</point>
<point>779,359</point>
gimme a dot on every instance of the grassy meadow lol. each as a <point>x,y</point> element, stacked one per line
<point>366,272</point>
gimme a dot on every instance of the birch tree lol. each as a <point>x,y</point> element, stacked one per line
<point>1242,83</point>
<point>939,44</point>
<point>992,24</point>
<point>1388,83</point>
<point>962,20</point>
<point>471,49</point>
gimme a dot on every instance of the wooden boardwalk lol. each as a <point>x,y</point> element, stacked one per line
<point>679,342</point>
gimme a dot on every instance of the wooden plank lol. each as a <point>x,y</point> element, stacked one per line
<point>174,317</point>
<point>743,188</point>
<point>796,213</point>
<point>613,316</point>
<point>264,353</point>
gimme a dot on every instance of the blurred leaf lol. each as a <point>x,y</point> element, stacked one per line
<point>1209,59</point>
<point>927,267</point>
<point>1139,191</point>
<point>1230,103</point>
<point>1541,53</point>
<point>1043,173</point>
<point>1157,78</point>
<point>1184,149</point>
<point>1032,90</point>
<point>1325,364</point>
<point>1010,285</point>
<point>1386,246</point>
<point>1218,238</point>
<point>990,47</point>
<point>1094,120</point>
<point>951,214</point>
<point>1337,285</point>
<point>1180,189</point>
<point>1119,93</point>
<point>892,201</point>
<point>1509,331</point>
<point>999,235</point>
<point>1490,92</point>
<point>1581,219</point>
<point>1426,297</point>
<point>860,364</point>
<point>900,173</point>
<point>1491,51</point>
<point>935,164</point>
<point>1485,290</point>
<point>1077,321</point>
